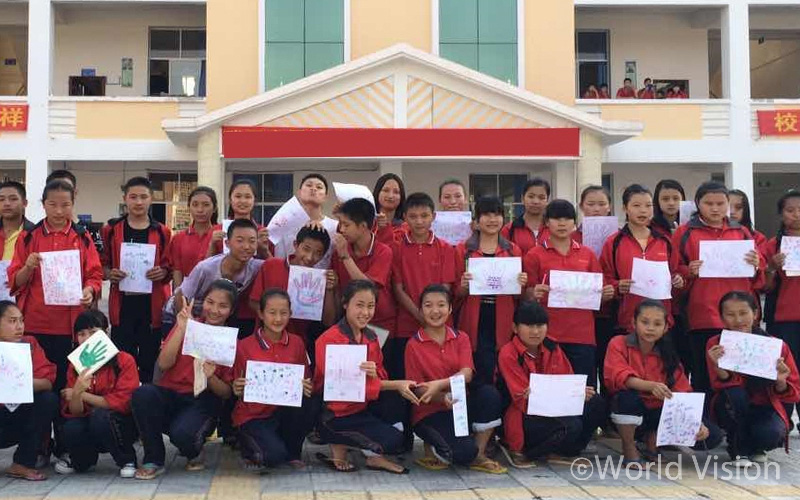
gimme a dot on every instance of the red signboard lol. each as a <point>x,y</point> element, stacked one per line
<point>285,142</point>
<point>780,122</point>
<point>13,117</point>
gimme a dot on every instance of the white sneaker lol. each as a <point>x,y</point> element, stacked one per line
<point>64,466</point>
<point>741,462</point>
<point>759,458</point>
<point>128,471</point>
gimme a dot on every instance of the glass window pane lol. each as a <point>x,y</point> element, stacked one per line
<point>193,43</point>
<point>482,185</point>
<point>458,21</point>
<point>164,43</point>
<point>592,46</point>
<point>591,73</point>
<point>284,63</point>
<point>320,56</point>
<point>278,187</point>
<point>184,77</point>
<point>159,77</point>
<point>465,54</point>
<point>324,21</point>
<point>499,61</point>
<point>511,188</point>
<point>284,20</point>
<point>255,179</point>
<point>497,21</point>
<point>268,212</point>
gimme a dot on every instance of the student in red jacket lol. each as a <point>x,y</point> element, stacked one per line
<point>595,202</point>
<point>627,91</point>
<point>755,412</point>
<point>29,424</point>
<point>573,329</point>
<point>270,435</point>
<point>486,318</point>
<point>241,204</point>
<point>190,246</point>
<point>530,437</point>
<point>668,196</point>
<point>52,325</point>
<point>710,223</point>
<point>434,354</point>
<point>648,91</point>
<point>390,199</point>
<point>642,370</point>
<point>376,425</point>
<point>136,317</point>
<point>420,259</point>
<point>169,406</point>
<point>97,408</point>
<point>529,230</point>
<point>452,196</point>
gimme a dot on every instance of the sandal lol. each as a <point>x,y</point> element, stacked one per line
<point>516,459</point>
<point>488,465</point>
<point>18,471</point>
<point>431,463</point>
<point>149,471</point>
<point>336,464</point>
<point>386,465</point>
<point>559,460</point>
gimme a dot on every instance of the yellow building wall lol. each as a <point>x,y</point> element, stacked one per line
<point>377,24</point>
<point>232,51</point>
<point>661,121</point>
<point>550,49</point>
<point>123,120</point>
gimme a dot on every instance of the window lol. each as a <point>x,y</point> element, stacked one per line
<point>303,37</point>
<point>178,62</point>
<point>171,198</point>
<point>607,181</point>
<point>480,34</point>
<point>592,59</point>
<point>506,186</point>
<point>272,191</point>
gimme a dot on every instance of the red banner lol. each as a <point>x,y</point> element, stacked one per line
<point>780,122</point>
<point>13,117</point>
<point>285,142</point>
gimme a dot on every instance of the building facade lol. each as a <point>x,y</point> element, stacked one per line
<point>490,92</point>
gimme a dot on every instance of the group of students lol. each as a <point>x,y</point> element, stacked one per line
<point>387,271</point>
<point>629,91</point>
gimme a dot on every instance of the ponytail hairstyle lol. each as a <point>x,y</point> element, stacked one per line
<point>669,356</point>
<point>659,219</point>
<point>709,187</point>
<point>746,221</point>
<point>356,286</point>
<point>211,194</point>
<point>631,190</point>
<point>58,185</point>
<point>752,383</point>
<point>594,188</point>
<point>237,183</point>
<point>792,193</point>
<point>273,292</point>
<point>227,286</point>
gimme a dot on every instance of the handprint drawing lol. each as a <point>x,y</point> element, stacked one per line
<point>310,290</point>
<point>92,354</point>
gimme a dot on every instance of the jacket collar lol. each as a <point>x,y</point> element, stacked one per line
<point>265,345</point>
<point>473,243</point>
<point>344,327</point>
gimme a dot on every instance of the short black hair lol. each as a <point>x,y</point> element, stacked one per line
<point>420,200</point>
<point>627,80</point>
<point>239,224</point>
<point>92,318</point>
<point>536,182</point>
<point>58,185</point>
<point>489,205</point>
<point>356,286</point>
<point>560,209</point>
<point>455,182</point>
<point>709,187</point>
<point>359,211</point>
<point>530,312</point>
<point>314,233</point>
<point>632,190</point>
<point>738,296</point>
<point>15,185</point>
<point>137,181</point>
<point>62,174</point>
<point>435,288</point>
<point>273,292</point>
<point>315,175</point>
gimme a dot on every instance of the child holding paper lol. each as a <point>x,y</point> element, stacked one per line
<point>436,353</point>
<point>595,202</point>
<point>573,329</point>
<point>755,412</point>
<point>136,317</point>
<point>28,426</point>
<point>241,204</point>
<point>529,437</point>
<point>529,230</point>
<point>271,435</point>
<point>190,246</point>
<point>710,223</point>
<point>390,198</point>
<point>97,408</point>
<point>375,425</point>
<point>642,370</point>
<point>169,406</point>
<point>485,318</point>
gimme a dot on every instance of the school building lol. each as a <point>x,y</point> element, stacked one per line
<point>486,91</point>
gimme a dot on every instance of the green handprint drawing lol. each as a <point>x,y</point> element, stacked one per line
<point>90,357</point>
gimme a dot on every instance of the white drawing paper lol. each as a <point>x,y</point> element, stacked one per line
<point>211,343</point>
<point>790,246</point>
<point>751,354</point>
<point>200,379</point>
<point>575,290</point>
<point>286,222</point>
<point>61,278</point>
<point>381,333</point>
<point>307,292</point>
<point>226,223</point>
<point>94,353</point>
<point>16,373</point>
<point>279,384</point>
<point>596,231</point>
<point>687,209</point>
<point>453,227</point>
<point>651,279</point>
<point>135,259</point>
<point>458,391</point>
<point>494,276</point>
<point>346,192</point>
<point>680,419</point>
<point>725,259</point>
<point>5,290</point>
<point>344,378</point>
<point>556,395</point>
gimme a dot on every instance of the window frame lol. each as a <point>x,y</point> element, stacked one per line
<point>180,30</point>
<point>261,202</point>
<point>578,61</point>
<point>509,208</point>
<point>176,201</point>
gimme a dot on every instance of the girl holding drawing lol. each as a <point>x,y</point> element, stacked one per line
<point>754,411</point>
<point>241,204</point>
<point>710,224</point>
<point>436,353</point>
<point>641,371</point>
<point>374,425</point>
<point>97,408</point>
<point>595,202</point>
<point>270,435</point>
<point>169,406</point>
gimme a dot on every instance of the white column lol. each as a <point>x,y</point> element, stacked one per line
<point>210,167</point>
<point>391,167</point>
<point>736,87</point>
<point>564,181</point>
<point>40,64</point>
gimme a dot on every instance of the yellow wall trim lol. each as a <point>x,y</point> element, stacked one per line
<point>661,122</point>
<point>123,120</point>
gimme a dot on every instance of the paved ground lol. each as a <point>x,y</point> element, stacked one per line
<point>224,480</point>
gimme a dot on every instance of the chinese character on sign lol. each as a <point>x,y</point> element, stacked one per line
<point>786,122</point>
<point>13,117</point>
<point>779,122</point>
